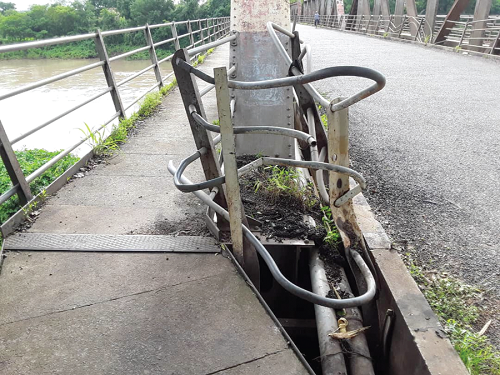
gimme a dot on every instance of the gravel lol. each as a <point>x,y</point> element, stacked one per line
<point>428,144</point>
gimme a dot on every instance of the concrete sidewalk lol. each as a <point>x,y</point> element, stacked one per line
<point>134,313</point>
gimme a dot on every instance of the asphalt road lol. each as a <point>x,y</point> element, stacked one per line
<point>429,146</point>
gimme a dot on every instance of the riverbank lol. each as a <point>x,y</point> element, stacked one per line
<point>82,50</point>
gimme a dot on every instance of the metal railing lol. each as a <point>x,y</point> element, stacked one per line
<point>482,36</point>
<point>202,34</point>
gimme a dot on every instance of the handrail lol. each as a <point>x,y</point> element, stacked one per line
<point>217,30</point>
<point>416,28</point>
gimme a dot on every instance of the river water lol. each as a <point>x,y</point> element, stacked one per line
<point>25,111</point>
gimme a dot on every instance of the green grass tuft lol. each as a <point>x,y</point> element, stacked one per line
<point>454,304</point>
<point>30,161</point>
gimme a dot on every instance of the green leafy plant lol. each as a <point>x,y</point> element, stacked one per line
<point>332,237</point>
<point>30,161</point>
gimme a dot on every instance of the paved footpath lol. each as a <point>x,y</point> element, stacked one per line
<point>142,313</point>
<point>428,144</point>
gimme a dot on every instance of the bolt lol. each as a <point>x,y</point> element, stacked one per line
<point>288,96</point>
<point>289,116</point>
<point>289,123</point>
<point>289,155</point>
<point>276,155</point>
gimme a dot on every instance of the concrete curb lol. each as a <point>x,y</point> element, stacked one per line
<point>422,346</point>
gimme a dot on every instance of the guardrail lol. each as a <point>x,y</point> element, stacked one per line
<point>481,36</point>
<point>202,34</point>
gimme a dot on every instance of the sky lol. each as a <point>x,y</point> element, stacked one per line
<point>25,4</point>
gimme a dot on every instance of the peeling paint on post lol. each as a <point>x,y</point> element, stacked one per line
<point>256,58</point>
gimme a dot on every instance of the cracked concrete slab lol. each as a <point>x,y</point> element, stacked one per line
<point>194,327</point>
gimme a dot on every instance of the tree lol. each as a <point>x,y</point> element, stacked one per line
<point>4,7</point>
<point>215,8</point>
<point>15,26</point>
<point>150,11</point>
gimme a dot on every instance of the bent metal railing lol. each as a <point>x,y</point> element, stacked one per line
<point>203,34</point>
<point>206,152</point>
<point>482,36</point>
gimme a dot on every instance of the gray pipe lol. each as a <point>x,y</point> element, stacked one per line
<point>360,362</point>
<point>332,358</point>
<point>275,130</point>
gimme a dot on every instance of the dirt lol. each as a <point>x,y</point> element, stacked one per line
<point>189,226</point>
<point>281,215</point>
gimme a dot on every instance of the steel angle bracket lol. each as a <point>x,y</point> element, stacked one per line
<point>191,96</point>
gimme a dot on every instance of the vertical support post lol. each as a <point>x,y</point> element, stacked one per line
<point>495,44</point>
<point>419,27</point>
<point>190,31</point>
<point>430,17</point>
<point>378,24</point>
<point>209,29</point>
<point>200,26</point>
<point>481,13</point>
<point>344,217</point>
<point>230,168</point>
<point>191,97</point>
<point>402,26</point>
<point>152,55</point>
<point>174,35</point>
<point>463,34</point>
<point>391,20</point>
<point>13,168</point>
<point>242,249</point>
<point>108,74</point>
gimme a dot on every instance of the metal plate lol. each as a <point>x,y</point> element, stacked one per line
<point>110,243</point>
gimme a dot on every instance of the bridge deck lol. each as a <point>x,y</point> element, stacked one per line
<point>134,313</point>
<point>428,145</point>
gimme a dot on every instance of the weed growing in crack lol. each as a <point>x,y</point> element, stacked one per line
<point>332,237</point>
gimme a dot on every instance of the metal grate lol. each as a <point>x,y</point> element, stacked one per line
<point>110,243</point>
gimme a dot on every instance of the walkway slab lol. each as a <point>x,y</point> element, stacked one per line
<point>80,313</point>
<point>146,315</point>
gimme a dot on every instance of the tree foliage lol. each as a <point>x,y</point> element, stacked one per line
<point>64,18</point>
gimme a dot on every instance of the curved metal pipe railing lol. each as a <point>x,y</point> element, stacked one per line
<point>273,130</point>
<point>275,271</point>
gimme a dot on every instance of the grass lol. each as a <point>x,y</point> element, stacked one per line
<point>454,304</point>
<point>107,146</point>
<point>30,161</point>
<point>284,182</point>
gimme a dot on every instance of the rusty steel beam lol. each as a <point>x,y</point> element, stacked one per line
<point>454,15</point>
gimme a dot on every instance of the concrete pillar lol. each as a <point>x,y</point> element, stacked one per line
<point>430,17</point>
<point>398,13</point>
<point>481,12</point>
<point>384,8</point>
<point>329,6</point>
<point>411,11</point>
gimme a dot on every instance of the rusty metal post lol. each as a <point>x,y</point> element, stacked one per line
<point>13,168</point>
<point>243,251</point>
<point>153,56</point>
<point>454,15</point>
<point>481,13</point>
<point>108,73</point>
<point>191,97</point>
